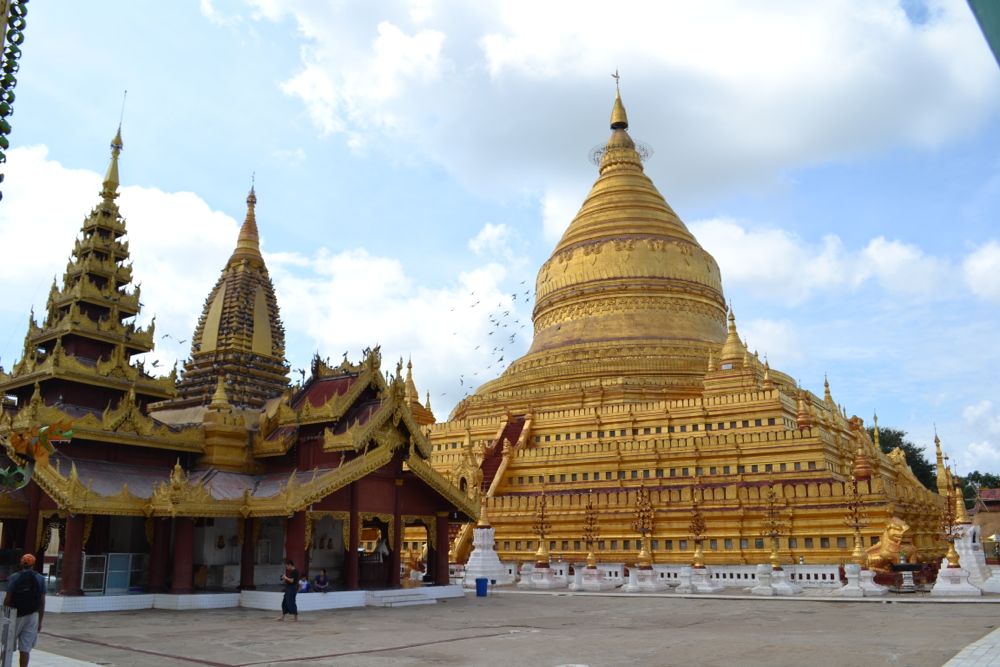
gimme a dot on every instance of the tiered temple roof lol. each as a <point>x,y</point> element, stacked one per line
<point>78,362</point>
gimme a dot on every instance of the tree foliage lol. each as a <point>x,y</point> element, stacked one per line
<point>923,470</point>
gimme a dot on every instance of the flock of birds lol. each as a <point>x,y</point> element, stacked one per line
<point>504,327</point>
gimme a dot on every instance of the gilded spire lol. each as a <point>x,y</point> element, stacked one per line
<point>111,183</point>
<point>733,350</point>
<point>220,400</point>
<point>768,383</point>
<point>248,242</point>
<point>619,119</point>
<point>484,521</point>
<point>412,395</point>
<point>427,404</point>
<point>878,445</point>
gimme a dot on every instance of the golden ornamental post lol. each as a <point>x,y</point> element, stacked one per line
<point>773,525</point>
<point>591,530</point>
<point>642,523</point>
<point>541,527</point>
<point>697,530</point>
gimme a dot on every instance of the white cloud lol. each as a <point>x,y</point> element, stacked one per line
<point>501,94</point>
<point>778,340</point>
<point>353,299</point>
<point>982,271</point>
<point>289,156</point>
<point>492,240</point>
<point>982,416</point>
<point>777,265</point>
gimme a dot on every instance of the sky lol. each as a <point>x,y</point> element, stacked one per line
<point>840,159</point>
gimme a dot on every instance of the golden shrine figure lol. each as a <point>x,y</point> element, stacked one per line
<point>637,378</point>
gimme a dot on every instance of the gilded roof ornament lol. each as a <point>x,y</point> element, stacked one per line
<point>110,190</point>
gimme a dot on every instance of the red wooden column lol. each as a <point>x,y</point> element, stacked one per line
<point>247,555</point>
<point>72,566</point>
<point>441,550</point>
<point>159,555</point>
<point>183,556</point>
<point>295,541</point>
<point>354,539</point>
<point>30,541</point>
<point>397,540</point>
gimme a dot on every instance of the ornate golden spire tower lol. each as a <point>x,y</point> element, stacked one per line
<point>239,334</point>
<point>81,353</point>
<point>628,292</point>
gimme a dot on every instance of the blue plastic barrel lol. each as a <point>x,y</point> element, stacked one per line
<point>481,584</point>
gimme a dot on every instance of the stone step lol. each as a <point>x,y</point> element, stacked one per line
<point>409,603</point>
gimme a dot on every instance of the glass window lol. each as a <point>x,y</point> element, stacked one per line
<point>768,467</point>
<point>713,471</point>
<point>793,542</point>
<point>699,471</point>
<point>647,431</point>
<point>746,423</point>
<point>713,545</point>
<point>741,469</point>
<point>727,543</point>
<point>520,480</point>
<point>659,429</point>
<point>586,476</point>
<point>812,465</point>
<point>770,421</point>
<point>758,543</point>
<point>684,472</point>
<point>627,544</point>
<point>659,472</point>
<point>725,470</point>
<point>572,477</point>
<point>757,422</point>
<point>668,545</point>
<point>670,429</point>
<point>824,543</point>
<point>506,545</point>
<point>753,468</point>
<point>562,478</point>
<point>744,543</point>
<point>673,472</point>
<point>694,427</point>
<point>809,543</point>
<point>517,545</point>
<point>635,474</point>
<point>621,474</point>
<point>841,542</point>
<point>654,544</point>
<point>783,467</point>
<point>684,428</point>
<point>600,434</point>
<point>614,545</point>
<point>682,545</point>
<point>798,465</point>
<point>607,475</point>
<point>576,544</point>
<point>732,424</point>
<point>645,474</point>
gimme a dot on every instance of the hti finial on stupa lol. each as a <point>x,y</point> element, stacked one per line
<point>619,119</point>
<point>248,242</point>
<point>109,191</point>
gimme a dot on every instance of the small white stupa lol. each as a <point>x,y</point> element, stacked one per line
<point>484,561</point>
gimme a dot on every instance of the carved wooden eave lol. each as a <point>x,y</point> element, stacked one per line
<point>442,485</point>
<point>115,372</point>
<point>125,424</point>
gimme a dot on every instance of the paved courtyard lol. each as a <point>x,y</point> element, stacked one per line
<point>516,629</point>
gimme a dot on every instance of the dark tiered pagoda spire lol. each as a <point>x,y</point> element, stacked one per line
<point>239,335</point>
<point>80,355</point>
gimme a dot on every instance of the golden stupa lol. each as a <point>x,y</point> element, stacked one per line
<point>637,377</point>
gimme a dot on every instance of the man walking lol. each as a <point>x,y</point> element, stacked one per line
<point>290,579</point>
<point>26,594</point>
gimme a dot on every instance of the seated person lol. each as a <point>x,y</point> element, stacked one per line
<point>303,584</point>
<point>321,584</point>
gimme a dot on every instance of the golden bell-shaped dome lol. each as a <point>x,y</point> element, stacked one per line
<point>628,295</point>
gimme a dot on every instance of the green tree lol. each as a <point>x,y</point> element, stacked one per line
<point>923,470</point>
<point>976,480</point>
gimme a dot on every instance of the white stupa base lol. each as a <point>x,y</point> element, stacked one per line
<point>763,586</point>
<point>644,581</point>
<point>595,580</point>
<point>782,585</point>
<point>852,589</point>
<point>952,582</point>
<point>543,579</point>
<point>697,580</point>
<point>868,585</point>
<point>484,562</point>
<point>991,585</point>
